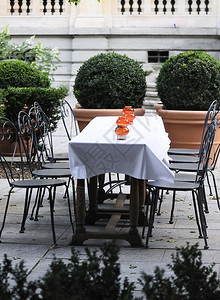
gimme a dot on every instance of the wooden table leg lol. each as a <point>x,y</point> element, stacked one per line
<point>80,205</point>
<point>92,216</point>
<point>78,237</point>
<point>133,236</point>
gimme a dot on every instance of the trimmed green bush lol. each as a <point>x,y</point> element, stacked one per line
<point>97,276</point>
<point>2,105</point>
<point>110,80</point>
<point>17,73</point>
<point>189,81</point>
<point>16,99</point>
<point>191,280</point>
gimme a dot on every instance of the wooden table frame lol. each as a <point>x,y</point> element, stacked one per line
<point>136,209</point>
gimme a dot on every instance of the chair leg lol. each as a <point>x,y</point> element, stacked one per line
<point>145,222</point>
<point>39,203</point>
<point>173,206</point>
<point>160,203</point>
<point>152,215</point>
<point>51,199</point>
<point>209,185</point>
<point>202,218</point>
<point>204,200</point>
<point>68,184</point>
<point>35,204</point>
<point>215,187</point>
<point>26,208</point>
<point>196,213</point>
<point>6,210</point>
<point>69,208</point>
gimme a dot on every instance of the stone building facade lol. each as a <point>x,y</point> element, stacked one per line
<point>148,30</point>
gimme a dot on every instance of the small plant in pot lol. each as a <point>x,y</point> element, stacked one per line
<point>187,84</point>
<point>109,81</point>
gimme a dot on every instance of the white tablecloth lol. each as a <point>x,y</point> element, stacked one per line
<point>143,155</point>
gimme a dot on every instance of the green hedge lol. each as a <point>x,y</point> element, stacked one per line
<point>16,99</point>
<point>110,80</point>
<point>17,73</point>
<point>189,81</point>
<point>2,105</point>
<point>98,277</point>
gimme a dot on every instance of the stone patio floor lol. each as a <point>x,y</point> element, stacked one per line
<point>34,246</point>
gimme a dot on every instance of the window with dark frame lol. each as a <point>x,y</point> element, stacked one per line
<point>157,56</point>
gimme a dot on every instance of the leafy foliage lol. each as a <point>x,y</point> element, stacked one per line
<point>13,283</point>
<point>191,280</point>
<point>43,58</point>
<point>2,105</point>
<point>4,40</point>
<point>94,278</point>
<point>110,80</point>
<point>19,74</point>
<point>98,277</point>
<point>189,81</point>
<point>16,99</point>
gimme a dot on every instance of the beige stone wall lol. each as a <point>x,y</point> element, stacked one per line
<point>93,27</point>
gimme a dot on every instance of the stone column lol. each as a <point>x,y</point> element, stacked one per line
<point>3,8</point>
<point>90,14</point>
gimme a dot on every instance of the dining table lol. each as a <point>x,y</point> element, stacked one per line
<point>142,156</point>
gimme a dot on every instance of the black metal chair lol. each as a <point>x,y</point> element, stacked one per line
<point>16,176</point>
<point>182,163</point>
<point>196,188</point>
<point>68,119</point>
<point>35,154</point>
<point>194,152</point>
<point>70,128</point>
<point>44,136</point>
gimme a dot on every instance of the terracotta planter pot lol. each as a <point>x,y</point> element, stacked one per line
<point>84,116</point>
<point>184,127</point>
<point>7,148</point>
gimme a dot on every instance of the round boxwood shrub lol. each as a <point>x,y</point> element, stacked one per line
<point>17,73</point>
<point>110,80</point>
<point>189,81</point>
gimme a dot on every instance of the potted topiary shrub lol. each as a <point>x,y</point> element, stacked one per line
<point>187,84</point>
<point>106,83</point>
<point>21,85</point>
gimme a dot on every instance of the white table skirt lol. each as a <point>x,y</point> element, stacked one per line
<point>143,155</point>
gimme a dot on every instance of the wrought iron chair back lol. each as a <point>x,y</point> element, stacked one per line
<point>12,166</point>
<point>42,133</point>
<point>68,119</point>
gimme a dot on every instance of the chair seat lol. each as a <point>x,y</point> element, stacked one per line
<point>52,173</point>
<point>60,156</point>
<point>183,159</point>
<point>187,167</point>
<point>182,151</point>
<point>37,183</point>
<point>185,177</point>
<point>56,165</point>
<point>176,185</point>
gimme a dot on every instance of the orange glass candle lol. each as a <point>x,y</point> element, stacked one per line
<point>122,130</point>
<point>128,112</point>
